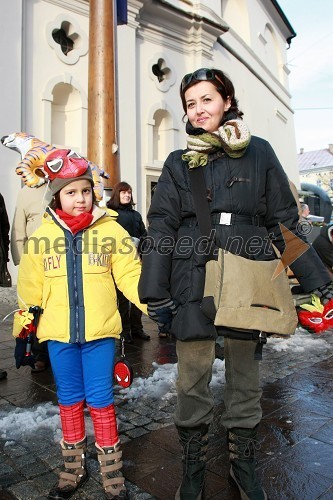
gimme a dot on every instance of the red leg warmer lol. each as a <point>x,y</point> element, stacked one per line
<point>105,425</point>
<point>72,422</point>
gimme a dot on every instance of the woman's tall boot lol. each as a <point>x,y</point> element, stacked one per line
<point>242,445</point>
<point>194,442</point>
<point>75,472</point>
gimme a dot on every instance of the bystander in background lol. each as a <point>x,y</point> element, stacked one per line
<point>305,211</point>
<point>28,215</point>
<point>5,279</point>
<point>122,202</point>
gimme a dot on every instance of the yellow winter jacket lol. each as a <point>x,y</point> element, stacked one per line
<point>73,278</point>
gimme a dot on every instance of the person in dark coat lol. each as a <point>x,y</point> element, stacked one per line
<point>323,244</point>
<point>122,202</point>
<point>5,279</point>
<point>249,196</point>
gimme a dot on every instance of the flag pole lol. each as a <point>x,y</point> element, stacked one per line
<point>102,114</point>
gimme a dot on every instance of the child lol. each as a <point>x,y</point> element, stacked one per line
<point>70,267</point>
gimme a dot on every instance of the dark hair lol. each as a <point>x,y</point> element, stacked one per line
<point>55,203</point>
<point>223,85</point>
<point>114,201</point>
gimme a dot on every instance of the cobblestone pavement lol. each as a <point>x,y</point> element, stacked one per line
<point>297,408</point>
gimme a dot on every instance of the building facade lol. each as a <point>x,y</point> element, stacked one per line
<point>316,167</point>
<point>45,78</point>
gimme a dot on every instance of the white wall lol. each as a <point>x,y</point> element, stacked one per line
<point>253,53</point>
<point>261,87</point>
<point>44,68</point>
<point>10,115</point>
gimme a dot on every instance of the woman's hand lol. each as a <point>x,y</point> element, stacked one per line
<point>162,311</point>
<point>324,292</point>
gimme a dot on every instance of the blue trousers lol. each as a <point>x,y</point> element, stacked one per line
<point>83,371</point>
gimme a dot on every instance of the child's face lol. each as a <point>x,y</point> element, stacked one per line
<point>76,198</point>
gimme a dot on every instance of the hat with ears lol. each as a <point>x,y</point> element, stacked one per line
<point>63,166</point>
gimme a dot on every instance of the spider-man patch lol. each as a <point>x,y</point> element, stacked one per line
<point>123,373</point>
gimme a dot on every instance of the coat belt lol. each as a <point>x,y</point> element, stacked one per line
<point>228,219</point>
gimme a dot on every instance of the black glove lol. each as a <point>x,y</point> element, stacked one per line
<point>324,292</point>
<point>162,312</point>
<point>20,354</point>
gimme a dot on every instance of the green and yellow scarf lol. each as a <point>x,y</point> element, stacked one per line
<point>233,137</point>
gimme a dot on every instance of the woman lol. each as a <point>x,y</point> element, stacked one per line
<point>249,195</point>
<point>69,268</point>
<point>122,202</point>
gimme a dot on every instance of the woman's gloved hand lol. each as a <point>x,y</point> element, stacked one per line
<point>162,311</point>
<point>324,292</point>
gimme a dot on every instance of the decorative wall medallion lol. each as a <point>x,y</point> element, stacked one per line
<point>67,39</point>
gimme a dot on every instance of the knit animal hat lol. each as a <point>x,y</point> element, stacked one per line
<point>63,166</point>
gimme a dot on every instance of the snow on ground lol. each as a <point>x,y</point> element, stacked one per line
<point>160,385</point>
<point>21,422</point>
<point>301,341</point>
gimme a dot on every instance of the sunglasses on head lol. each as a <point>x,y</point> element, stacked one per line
<point>203,74</point>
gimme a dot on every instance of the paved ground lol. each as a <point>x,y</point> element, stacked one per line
<point>296,456</point>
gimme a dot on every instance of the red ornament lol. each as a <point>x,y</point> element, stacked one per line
<point>317,321</point>
<point>123,373</point>
<point>64,164</point>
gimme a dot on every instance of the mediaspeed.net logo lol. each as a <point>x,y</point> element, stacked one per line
<point>295,247</point>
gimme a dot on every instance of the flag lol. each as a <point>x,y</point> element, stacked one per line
<point>121,12</point>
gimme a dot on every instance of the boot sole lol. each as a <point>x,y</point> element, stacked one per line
<point>233,481</point>
<point>53,497</point>
<point>177,496</point>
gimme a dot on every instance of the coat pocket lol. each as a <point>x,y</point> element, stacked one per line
<point>181,276</point>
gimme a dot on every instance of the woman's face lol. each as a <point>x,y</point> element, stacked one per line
<point>125,197</point>
<point>205,106</point>
<point>76,198</point>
